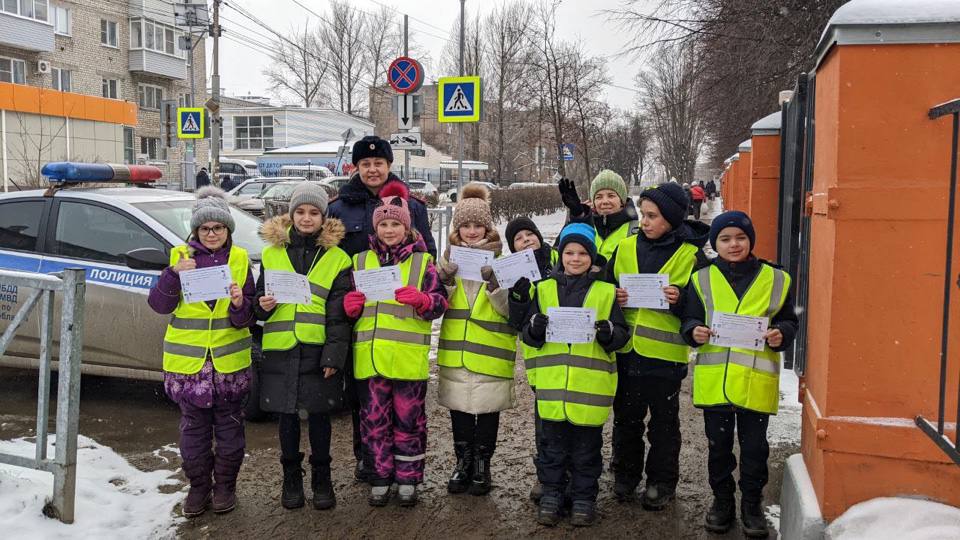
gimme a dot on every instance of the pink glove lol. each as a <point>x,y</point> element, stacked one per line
<point>412,296</point>
<point>353,303</point>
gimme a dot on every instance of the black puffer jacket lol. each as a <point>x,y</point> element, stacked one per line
<point>606,225</point>
<point>293,380</point>
<point>355,205</point>
<point>651,256</point>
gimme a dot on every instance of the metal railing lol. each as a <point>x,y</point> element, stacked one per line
<point>440,218</point>
<point>72,284</point>
<point>937,433</point>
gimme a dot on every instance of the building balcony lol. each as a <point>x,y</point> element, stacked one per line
<point>159,64</point>
<point>25,33</point>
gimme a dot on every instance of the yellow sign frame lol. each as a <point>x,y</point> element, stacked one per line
<point>477,100</point>
<point>203,122</point>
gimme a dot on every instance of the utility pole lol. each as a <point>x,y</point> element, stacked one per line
<point>406,52</point>
<point>215,82</point>
<point>460,124</point>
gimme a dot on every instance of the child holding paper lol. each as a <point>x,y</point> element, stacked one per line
<point>737,387</point>
<point>477,347</point>
<point>576,383</point>
<point>391,349</point>
<point>206,353</point>
<point>654,363</point>
<point>305,346</point>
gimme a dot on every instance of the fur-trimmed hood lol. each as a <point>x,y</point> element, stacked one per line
<point>275,231</point>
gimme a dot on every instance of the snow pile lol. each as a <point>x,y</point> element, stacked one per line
<point>893,518</point>
<point>897,12</point>
<point>114,499</point>
<point>784,427</point>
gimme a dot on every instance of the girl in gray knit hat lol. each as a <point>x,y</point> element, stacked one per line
<point>206,355</point>
<point>305,346</point>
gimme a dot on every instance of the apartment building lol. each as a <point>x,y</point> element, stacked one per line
<point>85,80</point>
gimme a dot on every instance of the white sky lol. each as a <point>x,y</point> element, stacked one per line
<point>241,66</point>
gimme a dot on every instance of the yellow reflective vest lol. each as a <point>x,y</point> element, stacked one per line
<point>290,324</point>
<point>606,246</point>
<point>195,331</point>
<point>390,340</point>
<point>478,339</point>
<point>656,332</point>
<point>577,382</point>
<point>733,376</point>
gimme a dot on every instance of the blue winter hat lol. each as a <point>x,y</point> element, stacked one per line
<point>732,218</point>
<point>580,233</point>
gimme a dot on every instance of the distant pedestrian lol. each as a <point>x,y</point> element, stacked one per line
<point>228,183</point>
<point>697,197</point>
<point>711,189</point>
<point>206,356</point>
<point>202,178</point>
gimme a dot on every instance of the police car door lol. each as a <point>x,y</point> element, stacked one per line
<point>120,329</point>
<point>22,225</point>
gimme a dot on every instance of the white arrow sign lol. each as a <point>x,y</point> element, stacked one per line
<point>406,141</point>
<point>405,111</point>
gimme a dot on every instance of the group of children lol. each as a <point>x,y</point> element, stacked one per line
<point>633,365</point>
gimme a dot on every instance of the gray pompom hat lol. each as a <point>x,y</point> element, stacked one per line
<point>309,193</point>
<point>211,205</point>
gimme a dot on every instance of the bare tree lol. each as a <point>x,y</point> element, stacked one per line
<point>342,36</point>
<point>589,75</point>
<point>626,145</point>
<point>298,67</point>
<point>669,100</point>
<point>383,41</point>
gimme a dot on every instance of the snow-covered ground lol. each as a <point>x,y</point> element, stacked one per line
<point>114,499</point>
<point>784,427</point>
<point>896,518</point>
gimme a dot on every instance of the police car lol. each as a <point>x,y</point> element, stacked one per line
<point>122,237</point>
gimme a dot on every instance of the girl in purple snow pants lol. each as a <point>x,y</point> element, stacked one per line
<point>393,421</point>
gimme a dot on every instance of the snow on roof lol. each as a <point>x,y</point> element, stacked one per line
<point>768,125</point>
<point>891,21</point>
<point>324,147</point>
<point>896,517</point>
<point>746,146</point>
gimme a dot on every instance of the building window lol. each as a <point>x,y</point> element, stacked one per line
<point>61,20</point>
<point>252,132</point>
<point>128,155</point>
<point>149,96</point>
<point>61,79</point>
<point>185,100</point>
<point>13,71</point>
<point>154,36</point>
<point>111,88</point>
<point>108,33</point>
<point>150,146</point>
<point>33,9</point>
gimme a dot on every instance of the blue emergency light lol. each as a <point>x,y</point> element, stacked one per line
<point>69,172</point>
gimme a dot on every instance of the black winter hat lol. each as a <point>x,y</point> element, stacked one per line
<point>372,146</point>
<point>671,200</point>
<point>521,223</point>
<point>732,218</point>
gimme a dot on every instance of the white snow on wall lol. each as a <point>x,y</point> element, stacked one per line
<point>114,499</point>
<point>897,12</point>
<point>895,518</point>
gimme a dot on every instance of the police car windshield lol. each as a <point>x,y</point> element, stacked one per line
<point>175,215</point>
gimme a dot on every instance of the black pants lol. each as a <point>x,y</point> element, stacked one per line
<point>319,425</point>
<point>477,430</point>
<point>565,446</point>
<point>636,396</point>
<point>353,401</point>
<point>751,428</point>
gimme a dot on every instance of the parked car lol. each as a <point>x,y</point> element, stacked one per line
<point>451,193</point>
<point>336,182</point>
<point>423,187</point>
<point>250,199</point>
<point>251,188</point>
<point>310,172</point>
<point>121,237</point>
<point>276,199</point>
<point>239,169</point>
<point>524,185</point>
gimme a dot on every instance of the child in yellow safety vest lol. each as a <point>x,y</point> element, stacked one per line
<point>206,355</point>
<point>575,382</point>
<point>391,349</point>
<point>737,384</point>
<point>305,345</point>
<point>477,348</point>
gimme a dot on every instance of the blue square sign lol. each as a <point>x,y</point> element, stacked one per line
<point>459,99</point>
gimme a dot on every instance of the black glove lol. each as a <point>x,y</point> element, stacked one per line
<point>520,292</point>
<point>604,332</point>
<point>568,194</point>
<point>538,326</point>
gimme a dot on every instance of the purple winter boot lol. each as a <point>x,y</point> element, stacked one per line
<point>225,472</point>
<point>198,498</point>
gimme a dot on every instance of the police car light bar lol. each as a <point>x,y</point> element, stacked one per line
<point>69,172</point>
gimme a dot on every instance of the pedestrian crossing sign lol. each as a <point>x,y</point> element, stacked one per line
<point>458,99</point>
<point>190,122</point>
